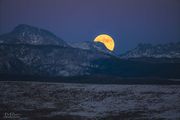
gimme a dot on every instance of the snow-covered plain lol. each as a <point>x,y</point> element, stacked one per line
<point>63,101</point>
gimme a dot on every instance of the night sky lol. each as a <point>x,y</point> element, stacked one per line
<point>129,22</point>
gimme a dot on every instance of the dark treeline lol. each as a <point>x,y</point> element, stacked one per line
<point>93,80</point>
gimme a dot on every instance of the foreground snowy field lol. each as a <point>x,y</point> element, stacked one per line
<point>61,101</point>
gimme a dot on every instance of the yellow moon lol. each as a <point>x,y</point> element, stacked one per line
<point>106,40</point>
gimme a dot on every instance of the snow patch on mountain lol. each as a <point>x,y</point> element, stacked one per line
<point>92,46</point>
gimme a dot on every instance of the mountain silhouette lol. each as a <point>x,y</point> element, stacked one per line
<point>33,51</point>
<point>26,34</point>
<point>29,50</point>
<point>169,50</point>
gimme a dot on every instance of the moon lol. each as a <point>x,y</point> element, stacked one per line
<point>106,40</point>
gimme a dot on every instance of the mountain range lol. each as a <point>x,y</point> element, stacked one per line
<point>33,51</point>
<point>29,50</point>
<point>169,50</point>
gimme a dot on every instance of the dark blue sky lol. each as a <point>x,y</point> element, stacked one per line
<point>129,22</point>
